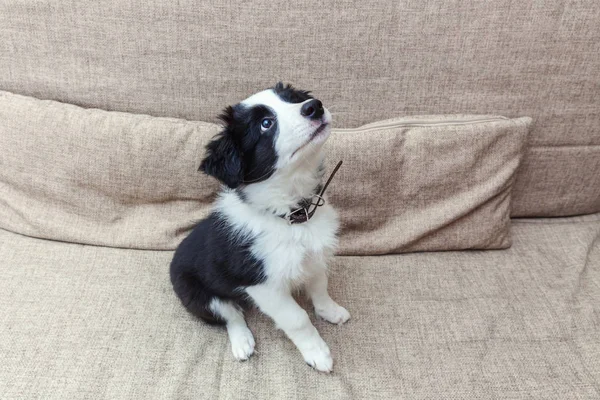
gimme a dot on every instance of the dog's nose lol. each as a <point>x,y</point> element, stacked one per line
<point>313,109</point>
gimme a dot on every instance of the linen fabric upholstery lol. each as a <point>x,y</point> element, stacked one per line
<point>87,322</point>
<point>367,60</point>
<point>97,177</point>
<point>426,183</point>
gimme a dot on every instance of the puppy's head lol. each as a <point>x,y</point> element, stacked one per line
<point>269,131</point>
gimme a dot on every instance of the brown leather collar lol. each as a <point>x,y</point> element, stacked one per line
<point>304,212</point>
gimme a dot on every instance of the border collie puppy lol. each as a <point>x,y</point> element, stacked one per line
<point>260,242</point>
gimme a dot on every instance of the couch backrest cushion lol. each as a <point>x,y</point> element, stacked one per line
<point>427,183</point>
<point>367,61</point>
<point>97,177</point>
<point>124,180</point>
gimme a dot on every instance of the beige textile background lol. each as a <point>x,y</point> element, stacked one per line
<point>367,60</point>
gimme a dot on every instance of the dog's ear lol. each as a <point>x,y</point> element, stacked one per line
<point>223,160</point>
<point>223,157</point>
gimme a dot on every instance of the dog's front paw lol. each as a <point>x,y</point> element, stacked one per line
<point>318,356</point>
<point>333,313</point>
<point>242,343</point>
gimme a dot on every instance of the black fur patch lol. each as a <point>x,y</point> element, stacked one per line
<point>242,153</point>
<point>211,263</point>
<point>290,94</point>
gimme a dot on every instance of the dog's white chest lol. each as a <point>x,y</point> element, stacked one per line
<point>291,253</point>
<point>288,253</point>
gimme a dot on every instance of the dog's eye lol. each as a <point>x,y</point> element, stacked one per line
<point>265,124</point>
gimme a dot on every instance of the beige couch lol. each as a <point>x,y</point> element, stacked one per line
<point>87,313</point>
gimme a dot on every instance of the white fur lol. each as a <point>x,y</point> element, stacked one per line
<point>324,305</point>
<point>293,255</point>
<point>240,337</point>
<point>290,253</point>
<point>279,304</point>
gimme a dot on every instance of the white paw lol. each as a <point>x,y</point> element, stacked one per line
<point>318,356</point>
<point>333,313</point>
<point>242,343</point>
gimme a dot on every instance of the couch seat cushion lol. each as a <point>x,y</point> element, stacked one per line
<point>82,322</point>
